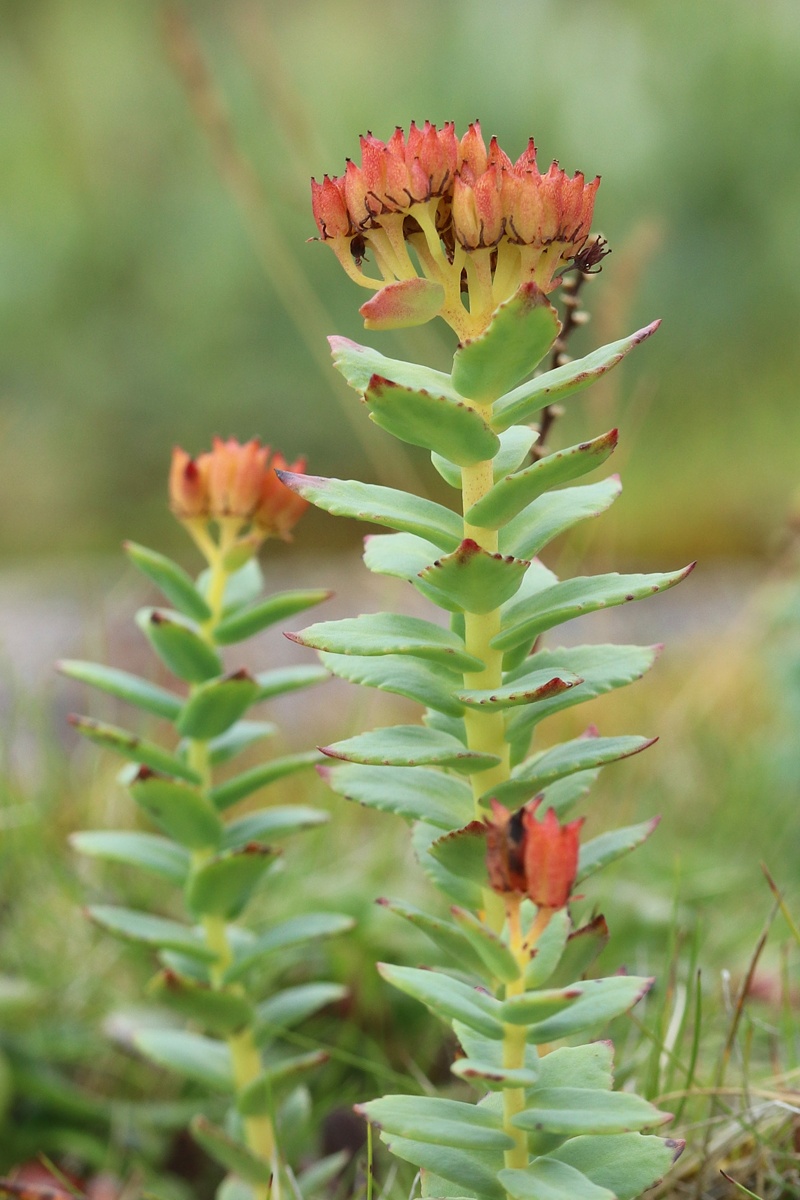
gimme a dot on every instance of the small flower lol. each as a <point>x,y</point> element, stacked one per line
<point>279,508</point>
<point>536,858</point>
<point>188,487</point>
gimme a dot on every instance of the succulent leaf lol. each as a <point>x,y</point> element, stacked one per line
<point>174,582</point>
<point>140,692</point>
<point>245,622</point>
<point>553,514</point>
<point>226,794</point>
<point>145,850</point>
<point>229,1152</point>
<point>181,810</point>
<point>179,645</point>
<point>448,427</point>
<point>449,999</point>
<point>417,795</point>
<point>471,579</point>
<point>214,706</point>
<point>359,363</point>
<point>223,886</point>
<point>519,335</point>
<point>410,746</point>
<point>443,1122</point>
<point>388,633</point>
<point>203,1059</point>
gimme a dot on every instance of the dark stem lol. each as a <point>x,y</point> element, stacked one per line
<point>574,315</point>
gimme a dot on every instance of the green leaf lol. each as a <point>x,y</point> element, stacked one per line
<point>359,363</point>
<point>442,933</point>
<point>179,645</point>
<point>602,668</point>
<point>626,1163</point>
<point>389,633</point>
<point>548,950</point>
<point>133,747</point>
<point>520,333</point>
<point>572,597</point>
<point>463,853</point>
<point>530,689</point>
<point>229,1152</point>
<point>575,1110</point>
<point>471,579</point>
<point>423,418</point>
<point>589,1066</point>
<point>447,998</point>
<point>578,754</point>
<point>417,794</point>
<point>515,445</point>
<point>457,887</point>
<point>608,847</point>
<point>256,1099</point>
<point>140,692</point>
<point>546,1179</point>
<point>410,746</point>
<point>287,679</point>
<point>223,886</point>
<point>553,514</point>
<point>224,795</point>
<point>583,947</point>
<point>217,1009</point>
<point>246,622</point>
<point>443,1122</point>
<point>487,1076</point>
<point>242,587</point>
<point>240,736</point>
<point>598,1002</point>
<point>494,953</point>
<point>475,1170</point>
<point>205,1060</point>
<point>159,932</point>
<point>285,1009</point>
<point>292,932</point>
<point>401,555</point>
<point>531,1008</point>
<point>513,493</point>
<point>270,823</point>
<point>429,683</point>
<point>214,706</point>
<point>174,582</point>
<point>529,398</point>
<point>316,1179</point>
<point>145,850</point>
<point>564,794</point>
<point>181,810</point>
<point>380,505</point>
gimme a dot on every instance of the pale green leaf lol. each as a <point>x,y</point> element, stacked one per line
<point>179,644</point>
<point>546,1179</point>
<point>389,633</point>
<point>145,850</point>
<point>443,1122</point>
<point>449,427</point>
<point>626,1163</point>
<point>359,363</point>
<point>174,582</point>
<point>140,692</point>
<point>203,1059</point>
<point>431,684</point>
<point>416,794</point>
<point>246,622</point>
<point>229,1152</point>
<point>449,999</point>
<point>410,746</point>
<point>471,579</point>
<point>554,513</point>
<point>224,795</point>
<point>575,1110</point>
<point>517,338</point>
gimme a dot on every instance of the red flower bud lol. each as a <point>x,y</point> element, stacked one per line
<point>536,858</point>
<point>330,208</point>
<point>279,507</point>
<point>188,486</point>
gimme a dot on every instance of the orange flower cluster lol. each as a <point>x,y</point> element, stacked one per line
<point>538,859</point>
<point>474,219</point>
<point>238,481</point>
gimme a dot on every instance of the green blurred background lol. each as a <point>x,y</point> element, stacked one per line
<point>137,311</point>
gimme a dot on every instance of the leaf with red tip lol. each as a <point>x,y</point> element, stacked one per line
<point>410,746</point>
<point>608,847</point>
<point>472,579</point>
<point>359,363</point>
<point>550,515</point>
<point>447,427</point>
<point>516,340</point>
<point>567,758</point>
<point>403,303</point>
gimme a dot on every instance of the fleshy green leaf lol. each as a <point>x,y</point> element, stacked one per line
<point>403,303</point>
<point>516,340</point>
<point>546,1179</point>
<point>486,1076</point>
<point>174,582</point>
<point>224,795</point>
<point>223,886</point>
<point>548,950</point>
<point>217,1009</point>
<point>443,933</point>
<point>511,494</point>
<point>159,932</point>
<point>229,1152</point>
<point>271,823</point>
<point>135,748</point>
<point>287,679</point>
<point>464,891</point>
<point>529,689</point>
<point>410,746</point>
<point>449,999</point>
<point>389,633</point>
<point>529,398</point>
<point>359,363</point>
<point>239,737</point>
<point>179,645</point>
<point>583,948</point>
<point>575,1110</point>
<point>496,956</point>
<point>449,427</point>
<point>471,579</point>
<point>589,1066</point>
<point>257,1098</point>
<point>246,622</point>
<point>443,1122</point>
<point>292,932</point>
<point>417,794</point>
<point>429,683</point>
<point>145,850</point>
<point>608,847</point>
<point>573,597</point>
<point>578,754</point>
<point>474,1170</point>
<point>554,513</point>
<point>214,706</point>
<point>285,1009</point>
<point>140,692</point>
<point>625,1163</point>
<point>515,445</point>
<point>202,1059</point>
<point>531,1008</point>
<point>463,853</point>
<point>181,810</point>
<point>380,505</point>
<point>599,1001</point>
<point>402,555</point>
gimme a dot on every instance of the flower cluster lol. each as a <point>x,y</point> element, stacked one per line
<point>236,481</point>
<point>475,220</point>
<point>538,859</point>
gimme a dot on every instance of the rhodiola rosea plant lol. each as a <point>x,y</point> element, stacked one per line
<point>459,231</point>
<point>211,966</point>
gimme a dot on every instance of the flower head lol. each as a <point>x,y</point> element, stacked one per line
<point>458,214</point>
<point>536,858</point>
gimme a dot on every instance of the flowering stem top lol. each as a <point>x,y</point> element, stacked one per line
<point>454,228</point>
